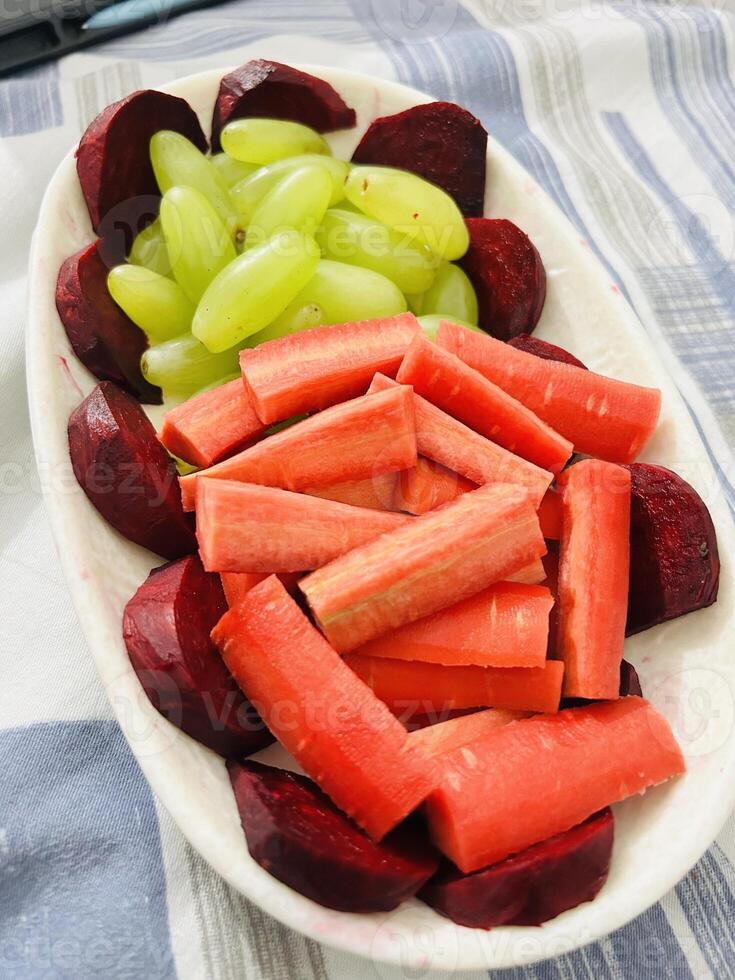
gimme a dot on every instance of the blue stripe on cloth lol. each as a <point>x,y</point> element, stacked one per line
<point>82,887</point>
<point>714,273</point>
<point>476,68</point>
<point>708,900</point>
<point>701,83</point>
<point>646,949</point>
<point>690,226</point>
<point>30,102</point>
<point>711,360</point>
<point>200,32</point>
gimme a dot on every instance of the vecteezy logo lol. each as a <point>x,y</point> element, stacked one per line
<point>414,21</point>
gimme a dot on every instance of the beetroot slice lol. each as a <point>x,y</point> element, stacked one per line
<point>271,90</point>
<point>630,683</point>
<point>298,835</point>
<point>508,275</point>
<point>674,563</point>
<point>113,160</point>
<point>126,472</point>
<point>531,887</point>
<point>166,627</point>
<point>106,342</point>
<point>542,348</point>
<point>441,142</point>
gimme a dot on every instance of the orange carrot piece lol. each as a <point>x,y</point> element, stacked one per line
<point>506,625</point>
<point>242,527</point>
<point>461,450</point>
<point>313,369</point>
<point>594,559</point>
<point>335,727</point>
<point>549,515</point>
<point>210,426</point>
<point>356,440</point>
<point>434,687</point>
<point>432,562</point>
<point>376,492</point>
<point>236,585</point>
<point>546,774</point>
<point>447,382</point>
<point>602,416</point>
<point>428,485</point>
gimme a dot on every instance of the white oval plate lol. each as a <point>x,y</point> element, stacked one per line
<point>686,666</point>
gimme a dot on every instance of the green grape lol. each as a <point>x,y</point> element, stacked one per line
<point>411,205</point>
<point>265,140</point>
<point>183,364</point>
<point>157,304</point>
<point>351,237</point>
<point>149,249</point>
<point>197,240</point>
<point>293,320</point>
<point>451,294</point>
<point>247,194</point>
<point>231,171</point>
<point>343,293</point>
<point>299,200</point>
<point>345,205</point>
<point>430,324</point>
<point>177,162</point>
<point>254,289</point>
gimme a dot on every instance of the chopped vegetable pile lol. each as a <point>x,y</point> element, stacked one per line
<point>406,538</point>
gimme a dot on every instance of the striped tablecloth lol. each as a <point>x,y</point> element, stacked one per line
<point>625,113</point>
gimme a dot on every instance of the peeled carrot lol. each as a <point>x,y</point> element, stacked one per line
<point>236,585</point>
<point>376,492</point>
<point>461,450</point>
<point>427,486</point>
<point>506,625</point>
<point>594,559</point>
<point>526,781</point>
<point>436,688</point>
<point>451,385</point>
<point>428,564</point>
<point>210,426</point>
<point>341,734</point>
<point>602,416</point>
<point>242,527</point>
<point>549,515</point>
<point>355,440</point>
<point>313,369</point>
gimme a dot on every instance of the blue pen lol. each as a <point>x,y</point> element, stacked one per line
<point>131,12</point>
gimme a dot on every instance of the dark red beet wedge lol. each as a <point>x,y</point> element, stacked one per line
<point>508,275</point>
<point>126,472</point>
<point>166,627</point>
<point>441,142</point>
<point>674,564</point>
<point>104,339</point>
<point>630,683</point>
<point>113,160</point>
<point>531,887</point>
<point>274,91</point>
<point>542,348</point>
<point>298,835</point>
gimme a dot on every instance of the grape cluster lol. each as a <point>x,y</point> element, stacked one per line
<point>275,235</point>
